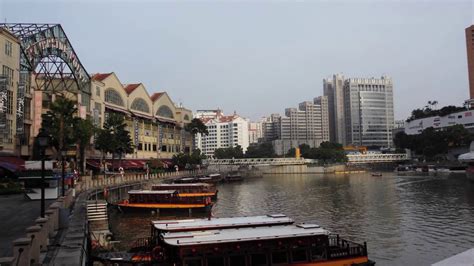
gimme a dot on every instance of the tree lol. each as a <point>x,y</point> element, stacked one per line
<point>262,150</point>
<point>114,138</point>
<point>59,122</point>
<point>84,129</point>
<point>229,153</point>
<point>196,126</point>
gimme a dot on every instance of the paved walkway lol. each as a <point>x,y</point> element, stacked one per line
<point>16,214</point>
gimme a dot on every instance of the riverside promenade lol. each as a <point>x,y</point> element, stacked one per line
<point>60,238</point>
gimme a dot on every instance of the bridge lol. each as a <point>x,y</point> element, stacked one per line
<point>370,158</point>
<point>260,161</point>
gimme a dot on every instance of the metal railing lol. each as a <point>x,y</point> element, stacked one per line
<point>377,158</point>
<point>260,161</point>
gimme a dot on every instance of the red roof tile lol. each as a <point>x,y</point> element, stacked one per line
<point>129,88</point>
<point>156,96</point>
<point>100,76</point>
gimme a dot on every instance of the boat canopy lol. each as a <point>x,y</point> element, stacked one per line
<point>183,185</point>
<point>466,157</point>
<point>152,191</point>
<point>216,223</point>
<point>241,234</point>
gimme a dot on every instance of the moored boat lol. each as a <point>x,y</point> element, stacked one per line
<point>469,159</point>
<point>189,189</point>
<point>376,174</point>
<point>233,177</point>
<point>211,178</point>
<point>302,244</point>
<point>258,240</point>
<point>139,200</point>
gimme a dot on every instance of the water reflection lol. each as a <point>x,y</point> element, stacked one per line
<point>405,219</point>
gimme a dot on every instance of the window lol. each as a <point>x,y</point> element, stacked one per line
<point>9,102</point>
<point>140,146</point>
<point>112,96</point>
<point>98,107</point>
<point>86,101</point>
<point>140,105</point>
<point>27,110</point>
<point>9,132</point>
<point>186,117</point>
<point>8,72</point>
<point>163,148</point>
<point>298,255</point>
<point>236,260</point>
<point>215,261</point>
<point>154,147</point>
<point>8,48</point>
<point>97,91</point>
<point>164,111</point>
<point>279,257</point>
<point>258,259</point>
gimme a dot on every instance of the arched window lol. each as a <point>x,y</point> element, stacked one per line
<point>140,105</point>
<point>165,111</point>
<point>186,117</point>
<point>112,96</point>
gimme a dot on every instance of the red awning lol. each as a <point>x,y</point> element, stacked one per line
<point>11,163</point>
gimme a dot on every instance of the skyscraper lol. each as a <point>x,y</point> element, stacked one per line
<point>368,104</point>
<point>470,58</point>
<point>333,89</point>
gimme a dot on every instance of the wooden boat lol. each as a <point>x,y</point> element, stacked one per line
<point>139,200</point>
<point>190,189</point>
<point>302,244</point>
<point>212,178</point>
<point>232,177</point>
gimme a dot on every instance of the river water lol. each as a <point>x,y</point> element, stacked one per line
<point>406,220</point>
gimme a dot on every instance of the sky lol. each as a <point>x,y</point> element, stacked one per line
<point>260,57</point>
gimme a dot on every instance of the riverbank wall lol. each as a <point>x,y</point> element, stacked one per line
<point>61,237</point>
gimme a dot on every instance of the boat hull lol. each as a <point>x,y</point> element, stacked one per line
<point>164,207</point>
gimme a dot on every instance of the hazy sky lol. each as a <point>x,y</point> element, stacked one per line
<point>260,57</point>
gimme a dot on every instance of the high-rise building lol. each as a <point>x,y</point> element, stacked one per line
<point>334,91</point>
<point>470,58</point>
<point>271,127</point>
<point>224,131</point>
<point>369,114</point>
<point>255,132</point>
<point>308,124</point>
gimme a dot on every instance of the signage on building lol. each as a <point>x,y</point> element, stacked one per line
<point>20,107</point>
<point>135,126</point>
<point>3,103</point>
<point>59,47</point>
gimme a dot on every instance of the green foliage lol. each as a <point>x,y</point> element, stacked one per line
<point>84,129</point>
<point>186,161</point>
<point>327,152</point>
<point>429,111</point>
<point>262,150</point>
<point>196,126</point>
<point>114,138</point>
<point>59,122</point>
<point>229,153</point>
<point>431,142</point>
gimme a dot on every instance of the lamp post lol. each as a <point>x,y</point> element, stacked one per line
<point>63,156</point>
<point>43,143</point>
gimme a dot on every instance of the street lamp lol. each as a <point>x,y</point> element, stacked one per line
<point>63,156</point>
<point>43,142</point>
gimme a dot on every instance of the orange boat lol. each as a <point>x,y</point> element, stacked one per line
<point>190,189</point>
<point>139,200</point>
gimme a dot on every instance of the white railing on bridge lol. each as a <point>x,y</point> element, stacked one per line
<point>259,161</point>
<point>377,158</point>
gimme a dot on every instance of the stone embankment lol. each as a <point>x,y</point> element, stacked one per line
<point>60,238</point>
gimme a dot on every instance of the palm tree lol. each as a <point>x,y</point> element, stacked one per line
<point>59,122</point>
<point>196,126</point>
<point>84,129</point>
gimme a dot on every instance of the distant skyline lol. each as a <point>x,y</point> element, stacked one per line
<point>260,58</point>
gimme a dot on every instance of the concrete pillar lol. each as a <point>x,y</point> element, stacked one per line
<point>50,223</point>
<point>33,233</point>
<point>55,216</point>
<point>21,251</point>
<point>43,235</point>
